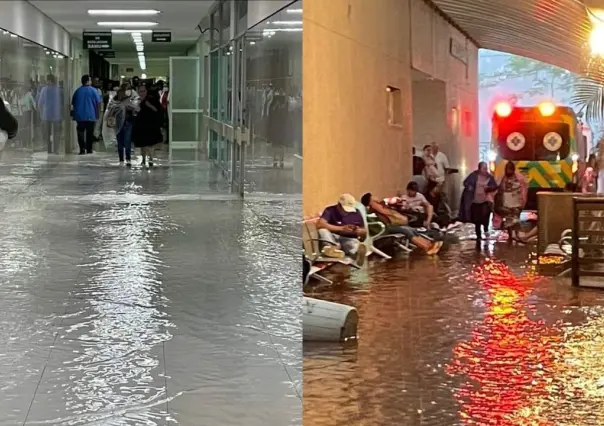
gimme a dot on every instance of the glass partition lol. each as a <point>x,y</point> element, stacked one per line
<point>274,103</point>
<point>33,84</point>
<point>254,126</point>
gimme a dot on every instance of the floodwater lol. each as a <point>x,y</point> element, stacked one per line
<point>151,298</point>
<point>468,338</point>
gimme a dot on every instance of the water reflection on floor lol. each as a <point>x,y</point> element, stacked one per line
<point>461,340</point>
<point>145,297</point>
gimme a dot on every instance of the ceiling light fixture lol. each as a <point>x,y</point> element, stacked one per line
<point>127,24</point>
<point>286,22</point>
<point>122,31</point>
<point>123,12</point>
<point>294,10</point>
<point>272,31</point>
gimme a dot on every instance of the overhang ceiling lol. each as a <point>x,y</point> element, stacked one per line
<point>179,17</point>
<point>552,31</point>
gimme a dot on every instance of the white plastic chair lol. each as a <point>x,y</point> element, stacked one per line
<point>370,239</point>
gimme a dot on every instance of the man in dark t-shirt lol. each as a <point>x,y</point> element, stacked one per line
<point>418,164</point>
<point>343,226</point>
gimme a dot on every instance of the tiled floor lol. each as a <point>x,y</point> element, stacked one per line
<point>135,297</point>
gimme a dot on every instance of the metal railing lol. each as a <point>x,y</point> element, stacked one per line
<point>587,238</point>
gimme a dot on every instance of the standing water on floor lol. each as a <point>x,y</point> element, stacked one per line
<point>145,297</point>
<point>468,338</point>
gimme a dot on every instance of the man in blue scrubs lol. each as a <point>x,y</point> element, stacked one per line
<point>50,105</point>
<point>85,105</point>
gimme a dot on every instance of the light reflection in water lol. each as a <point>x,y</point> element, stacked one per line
<point>121,324</point>
<point>510,360</point>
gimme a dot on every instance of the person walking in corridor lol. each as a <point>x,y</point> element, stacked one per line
<point>121,114</point>
<point>85,106</point>
<point>146,132</point>
<point>50,105</point>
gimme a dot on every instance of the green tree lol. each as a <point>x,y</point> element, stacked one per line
<point>546,79</point>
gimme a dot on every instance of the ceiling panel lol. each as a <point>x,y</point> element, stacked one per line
<point>552,31</point>
<point>179,17</point>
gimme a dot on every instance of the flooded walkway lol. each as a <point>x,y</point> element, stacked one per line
<point>461,339</point>
<point>135,297</point>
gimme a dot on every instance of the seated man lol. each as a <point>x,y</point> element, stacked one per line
<point>442,218</point>
<point>342,225</point>
<point>413,205</point>
<point>396,223</point>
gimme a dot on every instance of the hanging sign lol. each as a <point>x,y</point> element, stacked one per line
<point>107,54</point>
<point>98,40</point>
<point>161,37</point>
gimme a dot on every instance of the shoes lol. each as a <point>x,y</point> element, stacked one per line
<point>361,254</point>
<point>333,251</point>
<point>128,163</point>
<point>435,248</point>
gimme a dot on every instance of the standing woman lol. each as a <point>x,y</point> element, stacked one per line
<point>510,200</point>
<point>122,113</point>
<point>476,201</point>
<point>148,124</point>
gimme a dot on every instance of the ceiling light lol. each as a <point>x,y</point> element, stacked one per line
<point>122,31</point>
<point>294,11</point>
<point>122,76</point>
<point>139,48</point>
<point>123,12</point>
<point>143,76</point>
<point>286,22</point>
<point>14,35</point>
<point>252,43</point>
<point>127,24</point>
<point>285,30</point>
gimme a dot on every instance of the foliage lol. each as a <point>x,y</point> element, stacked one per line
<point>546,79</point>
<point>588,100</point>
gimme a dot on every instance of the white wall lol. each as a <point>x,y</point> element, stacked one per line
<point>22,18</point>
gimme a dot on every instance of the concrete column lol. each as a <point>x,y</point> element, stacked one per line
<point>353,50</point>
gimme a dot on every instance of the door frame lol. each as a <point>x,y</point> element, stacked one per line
<point>197,111</point>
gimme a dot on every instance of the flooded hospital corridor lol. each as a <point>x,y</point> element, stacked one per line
<point>462,339</point>
<point>144,297</point>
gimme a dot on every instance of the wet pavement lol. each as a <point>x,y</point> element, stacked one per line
<point>136,297</point>
<point>462,339</point>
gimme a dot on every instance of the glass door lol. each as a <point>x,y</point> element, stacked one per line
<point>239,119</point>
<point>184,109</point>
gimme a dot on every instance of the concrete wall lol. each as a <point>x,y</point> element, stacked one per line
<point>353,50</point>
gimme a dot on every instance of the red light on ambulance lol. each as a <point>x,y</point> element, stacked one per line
<point>503,109</point>
<point>547,109</point>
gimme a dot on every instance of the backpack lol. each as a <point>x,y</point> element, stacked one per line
<point>8,122</point>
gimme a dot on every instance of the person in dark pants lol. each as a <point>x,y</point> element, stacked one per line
<point>50,105</point>
<point>85,106</point>
<point>476,200</point>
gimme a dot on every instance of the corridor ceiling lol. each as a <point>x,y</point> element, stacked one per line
<point>552,31</point>
<point>179,17</point>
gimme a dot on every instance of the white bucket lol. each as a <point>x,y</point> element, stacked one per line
<point>328,321</point>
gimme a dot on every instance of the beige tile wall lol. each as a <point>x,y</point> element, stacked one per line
<point>352,50</point>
